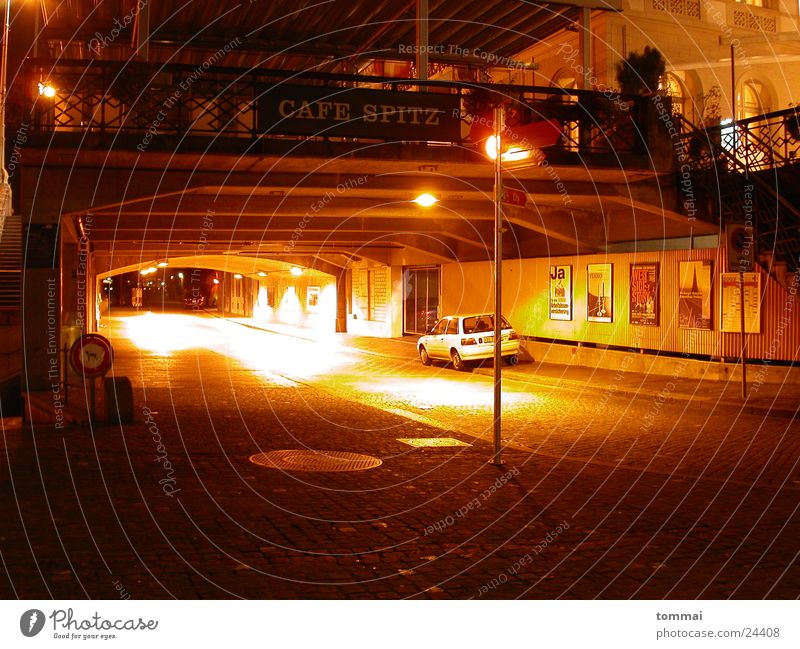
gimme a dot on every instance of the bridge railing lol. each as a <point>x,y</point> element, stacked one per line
<point>112,99</point>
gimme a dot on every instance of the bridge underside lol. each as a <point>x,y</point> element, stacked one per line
<point>330,211</point>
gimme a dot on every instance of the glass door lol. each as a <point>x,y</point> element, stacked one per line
<point>421,299</point>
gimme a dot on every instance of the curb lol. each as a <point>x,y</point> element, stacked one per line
<point>572,384</point>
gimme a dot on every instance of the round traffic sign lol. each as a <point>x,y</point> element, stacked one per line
<point>91,355</point>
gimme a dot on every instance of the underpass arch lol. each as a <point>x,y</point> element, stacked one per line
<point>295,292</point>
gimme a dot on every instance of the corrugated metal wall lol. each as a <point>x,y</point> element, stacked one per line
<point>468,287</point>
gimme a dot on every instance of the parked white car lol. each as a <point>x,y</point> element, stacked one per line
<point>464,338</point>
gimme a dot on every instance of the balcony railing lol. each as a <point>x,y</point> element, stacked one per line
<point>120,102</point>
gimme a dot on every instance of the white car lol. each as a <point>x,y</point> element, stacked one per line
<point>464,338</point>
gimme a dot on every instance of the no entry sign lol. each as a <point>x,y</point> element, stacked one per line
<point>91,355</point>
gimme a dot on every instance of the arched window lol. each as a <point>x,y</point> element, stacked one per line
<point>672,87</point>
<point>752,99</point>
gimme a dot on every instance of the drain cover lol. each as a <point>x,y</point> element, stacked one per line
<point>432,441</point>
<point>321,461</point>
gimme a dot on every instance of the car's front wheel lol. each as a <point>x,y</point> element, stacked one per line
<point>511,360</point>
<point>423,356</point>
<point>458,362</point>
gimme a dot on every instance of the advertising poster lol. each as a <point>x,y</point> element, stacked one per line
<point>312,299</point>
<point>644,294</point>
<point>599,293</point>
<point>694,295</point>
<point>560,307</point>
<point>731,315</point>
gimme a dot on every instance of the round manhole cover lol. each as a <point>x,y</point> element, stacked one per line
<point>322,461</point>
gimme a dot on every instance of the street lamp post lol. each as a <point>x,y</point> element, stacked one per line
<point>498,288</point>
<point>5,189</point>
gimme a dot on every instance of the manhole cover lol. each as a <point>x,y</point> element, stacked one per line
<point>322,461</point>
<point>432,441</point>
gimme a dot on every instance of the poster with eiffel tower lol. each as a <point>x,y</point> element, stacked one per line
<point>694,295</point>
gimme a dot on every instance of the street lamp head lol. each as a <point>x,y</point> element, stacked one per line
<point>46,89</point>
<point>509,154</point>
<point>426,200</point>
<point>296,271</point>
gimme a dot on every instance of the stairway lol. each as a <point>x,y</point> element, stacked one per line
<point>11,264</point>
<point>749,171</point>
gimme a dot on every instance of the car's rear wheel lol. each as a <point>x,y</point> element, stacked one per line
<point>511,360</point>
<point>458,362</point>
<point>423,356</point>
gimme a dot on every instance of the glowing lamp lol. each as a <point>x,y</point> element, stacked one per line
<point>425,200</point>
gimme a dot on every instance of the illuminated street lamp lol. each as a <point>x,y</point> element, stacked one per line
<point>296,271</point>
<point>47,89</point>
<point>426,200</point>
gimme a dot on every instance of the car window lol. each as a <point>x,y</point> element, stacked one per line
<point>452,328</point>
<point>439,327</point>
<point>470,325</point>
<point>482,323</point>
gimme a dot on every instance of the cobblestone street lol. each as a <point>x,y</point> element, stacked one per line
<point>604,493</point>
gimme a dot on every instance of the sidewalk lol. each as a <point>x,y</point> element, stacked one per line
<point>763,398</point>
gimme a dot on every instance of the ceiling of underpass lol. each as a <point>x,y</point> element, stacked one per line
<point>352,210</point>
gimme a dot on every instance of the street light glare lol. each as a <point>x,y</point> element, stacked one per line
<point>237,276</point>
<point>425,200</point>
<point>296,271</point>
<point>512,154</point>
<point>162,264</point>
<point>47,90</point>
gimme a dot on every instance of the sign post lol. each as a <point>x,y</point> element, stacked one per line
<point>741,258</point>
<point>91,356</point>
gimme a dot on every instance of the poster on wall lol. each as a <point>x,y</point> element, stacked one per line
<point>731,315</point>
<point>560,306</point>
<point>644,294</point>
<point>599,293</point>
<point>694,295</point>
<point>312,299</point>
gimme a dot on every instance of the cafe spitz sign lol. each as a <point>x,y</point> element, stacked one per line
<point>357,112</point>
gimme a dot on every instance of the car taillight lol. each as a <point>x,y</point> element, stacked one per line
<point>468,341</point>
<point>513,336</point>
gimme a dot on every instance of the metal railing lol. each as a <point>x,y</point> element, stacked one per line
<point>753,144</point>
<point>111,98</point>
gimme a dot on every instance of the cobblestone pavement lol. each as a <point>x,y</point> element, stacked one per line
<point>603,494</point>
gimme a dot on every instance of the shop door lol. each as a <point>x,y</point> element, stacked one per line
<point>421,302</point>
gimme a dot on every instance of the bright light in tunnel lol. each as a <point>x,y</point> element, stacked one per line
<point>426,200</point>
<point>261,273</point>
<point>237,276</point>
<point>296,271</point>
<point>180,275</point>
<point>164,333</point>
<point>289,309</point>
<point>215,280</point>
<point>162,264</point>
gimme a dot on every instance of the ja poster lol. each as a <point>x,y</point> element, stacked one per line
<point>560,304</point>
